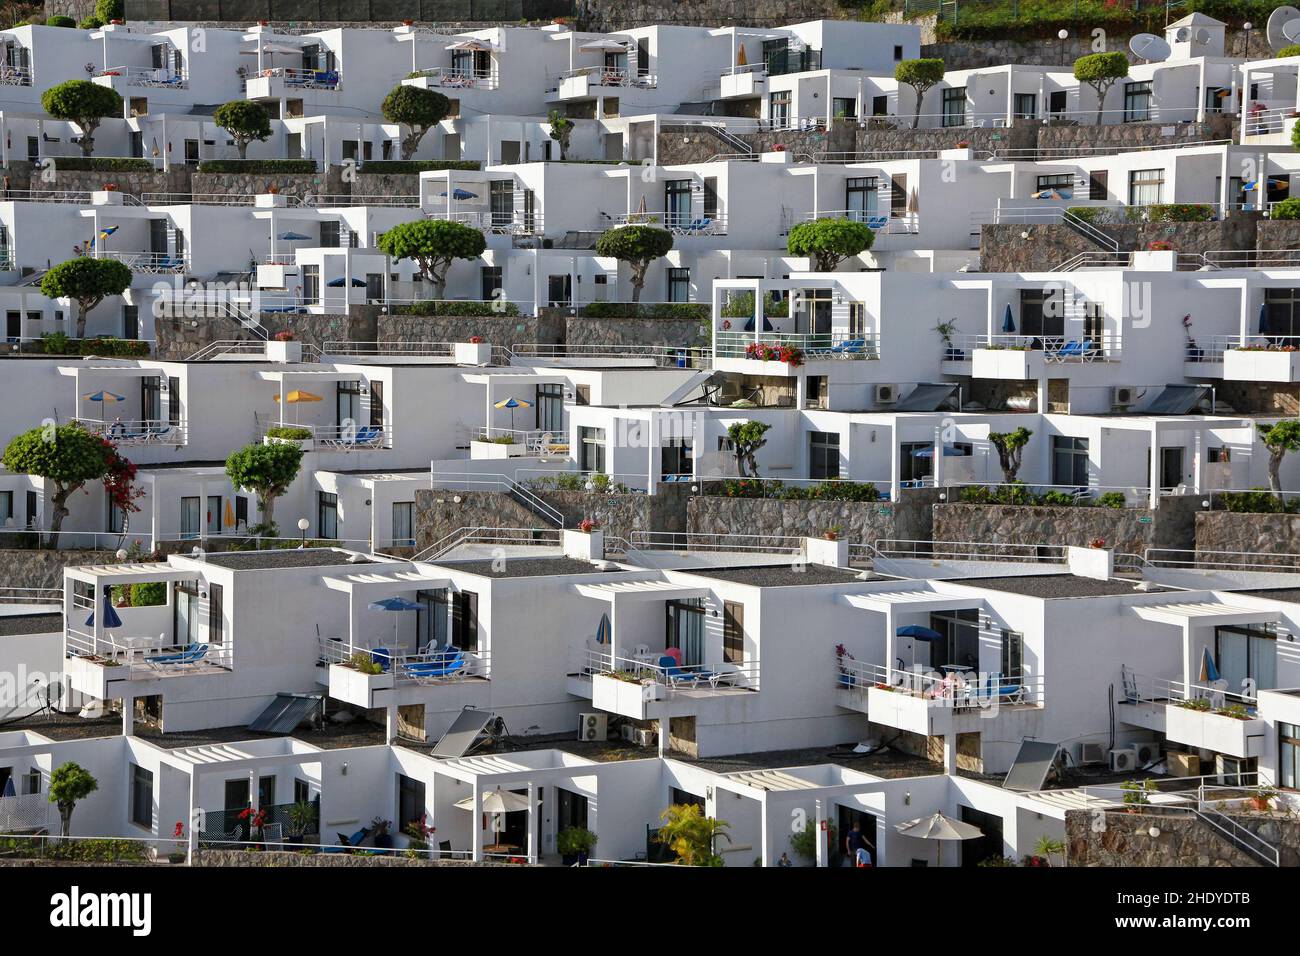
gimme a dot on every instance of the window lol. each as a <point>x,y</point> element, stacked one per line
<point>898,52</point>
<point>954,106</point>
<point>860,197</point>
<point>216,614</point>
<point>189,517</point>
<point>823,455</point>
<point>1013,653</point>
<point>1137,102</point>
<point>490,279</point>
<point>685,629</point>
<point>1218,454</point>
<point>1145,186</point>
<point>817,392</point>
<point>880,106</point>
<point>347,403</point>
<point>464,620</point>
<point>1288,757</point>
<point>173,400</point>
<point>1099,184</point>
<point>433,618</point>
<point>376,403</point>
<point>677,202</point>
<point>150,399</point>
<point>960,639</point>
<point>141,797</point>
<point>1056,181</point>
<point>301,790</point>
<point>311,285</point>
<point>327,515</point>
<point>779,109</point>
<point>898,195</point>
<point>1069,461</point>
<point>1041,313</point>
<point>1057,101</point>
<point>1247,657</point>
<point>403,524</point>
<point>114,521</point>
<point>1283,306</point>
<point>410,801</point>
<point>710,197</point>
<point>1025,105</point>
<point>844,107</point>
<point>916,460</point>
<point>679,285</point>
<point>591,449</point>
<point>733,632</point>
<point>550,407</point>
<point>329,234</point>
<point>501,195</point>
<point>7,507</point>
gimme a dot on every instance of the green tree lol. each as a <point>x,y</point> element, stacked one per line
<point>920,75</point>
<point>828,242</point>
<point>67,456</point>
<point>87,282</point>
<point>109,10</point>
<point>1279,438</point>
<point>638,246</point>
<point>691,835</point>
<point>746,439</point>
<point>1101,71</point>
<point>69,783</point>
<point>1047,848</point>
<point>434,244</point>
<point>245,121</point>
<point>1010,446</point>
<point>267,471</point>
<point>60,21</point>
<point>560,128</point>
<point>83,103</point>
<point>418,109</point>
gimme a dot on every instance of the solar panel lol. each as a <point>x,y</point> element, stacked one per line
<point>1032,765</point>
<point>925,398</point>
<point>285,713</point>
<point>463,733</point>
<point>1178,400</point>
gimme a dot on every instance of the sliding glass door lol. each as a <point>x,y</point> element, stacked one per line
<point>685,629</point>
<point>1244,654</point>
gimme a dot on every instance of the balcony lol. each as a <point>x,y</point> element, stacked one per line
<point>1260,358</point>
<point>150,263</point>
<point>449,78</point>
<point>927,702</point>
<point>1193,715</point>
<point>276,83</point>
<point>377,677</point>
<point>15,75</point>
<point>743,82</point>
<point>120,77</point>
<point>679,224</point>
<point>102,668</point>
<point>1020,357</point>
<point>821,347</point>
<point>587,81</point>
<point>642,688</point>
<point>500,223</point>
<point>150,432</point>
<point>348,437</point>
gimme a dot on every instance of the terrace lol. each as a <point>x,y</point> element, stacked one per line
<point>117,77</point>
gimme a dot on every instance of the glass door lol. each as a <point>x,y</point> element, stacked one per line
<point>1246,657</point>
<point>686,629</point>
<point>190,518</point>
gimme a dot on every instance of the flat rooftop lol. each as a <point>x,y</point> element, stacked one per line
<point>509,567</point>
<point>781,575</point>
<point>1053,586</point>
<point>281,558</point>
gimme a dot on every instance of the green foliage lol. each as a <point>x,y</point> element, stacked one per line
<point>1257,501</point>
<point>1101,71</point>
<point>76,851</point>
<point>822,491</point>
<point>84,103</point>
<point>245,121</point>
<point>110,10</point>
<point>290,432</point>
<point>691,835</point>
<point>268,471</point>
<point>572,841</point>
<point>920,75</point>
<point>1292,50</point>
<point>103,164</point>
<point>69,783</point>
<point>1287,208</point>
<point>363,662</point>
<point>66,454</point>
<point>90,23</point>
<point>433,244</point>
<point>1089,214</point>
<point>87,282</point>
<point>1112,499</point>
<point>1010,446</point>
<point>56,343</point>
<point>1280,438</point>
<point>1180,212</point>
<point>459,309</point>
<point>638,246</point>
<point>148,594</point>
<point>252,167</point>
<point>686,311</point>
<point>804,841</point>
<point>59,21</point>
<point>828,242</point>
<point>560,128</point>
<point>740,305</point>
<point>397,167</point>
<point>60,343</point>
<point>746,439</point>
<point>419,109</point>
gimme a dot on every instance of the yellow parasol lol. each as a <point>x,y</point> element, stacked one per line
<point>740,57</point>
<point>298,395</point>
<point>228,519</point>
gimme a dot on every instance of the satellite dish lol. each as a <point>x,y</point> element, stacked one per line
<point>1291,30</point>
<point>1201,36</point>
<point>1278,19</point>
<point>1149,47</point>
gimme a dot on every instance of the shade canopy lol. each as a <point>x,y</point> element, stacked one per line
<point>939,827</point>
<point>604,44</point>
<point>512,402</point>
<point>473,43</point>
<point>498,801</point>
<point>919,632</point>
<point>108,398</point>
<point>341,281</point>
<point>298,395</point>
<point>292,236</point>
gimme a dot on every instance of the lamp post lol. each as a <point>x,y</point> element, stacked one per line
<point>1062,35</point>
<point>303,525</point>
<point>1247,27</point>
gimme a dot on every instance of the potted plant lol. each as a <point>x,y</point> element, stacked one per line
<point>1262,798</point>
<point>832,534</point>
<point>588,525</point>
<point>842,659</point>
<point>1194,353</point>
<point>302,817</point>
<point>380,827</point>
<point>946,330</point>
<point>178,855</point>
<point>256,819</point>
<point>418,834</point>
<point>575,845</point>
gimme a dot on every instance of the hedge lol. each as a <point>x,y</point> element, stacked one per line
<point>693,311</point>
<point>1286,209</point>
<point>103,164</point>
<point>258,166</point>
<point>1258,501</point>
<point>1180,212</point>
<point>59,343</point>
<point>1020,494</point>
<point>399,167</point>
<point>459,309</point>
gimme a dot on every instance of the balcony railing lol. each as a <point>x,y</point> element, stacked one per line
<point>494,223</point>
<point>1143,688</point>
<point>646,668</point>
<point>142,432</point>
<point>815,347</point>
<point>129,651</point>
<point>1056,349</point>
<point>953,687</point>
<point>150,263</point>
<point>607,76</point>
<point>331,80</point>
<point>425,667</point>
<point>150,76</point>
<point>450,78</point>
<point>15,75</point>
<point>678,223</point>
<point>341,437</point>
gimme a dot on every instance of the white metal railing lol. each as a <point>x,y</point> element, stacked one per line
<point>608,76</point>
<point>1144,688</point>
<point>548,538</point>
<point>394,349</point>
<point>205,199</point>
<point>455,78</point>
<point>338,437</point>
<point>411,666</point>
<point>955,687</point>
<point>361,199</point>
<point>648,668</point>
<point>686,541</point>
<point>925,549</point>
<point>51,596</point>
<point>1260,122</point>
<point>150,263</point>
<point>130,651</point>
<point>78,196</point>
<point>490,481</point>
<point>512,223</point>
<point>150,76</point>
<point>678,223</point>
<point>816,346</point>
<point>881,222</point>
<point>1056,349</point>
<point>1252,343</point>
<point>15,75</point>
<point>331,80</point>
<point>26,811</point>
<point>1221,560</point>
<point>664,356</point>
<point>138,432</point>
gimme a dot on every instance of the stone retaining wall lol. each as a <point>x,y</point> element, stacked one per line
<point>497,329</point>
<point>25,175</point>
<point>328,183</point>
<point>282,858</point>
<point>1069,137</point>
<point>1263,533</point>
<point>858,521</point>
<point>1003,250</point>
<point>177,339</point>
<point>438,515</point>
<point>1273,234</point>
<point>1023,135</point>
<point>1126,841</point>
<point>580,330</point>
<point>43,568</point>
<point>620,515</point>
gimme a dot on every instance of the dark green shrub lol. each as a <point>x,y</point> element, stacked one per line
<point>453,308</point>
<point>1180,212</point>
<point>257,167</point>
<point>398,167</point>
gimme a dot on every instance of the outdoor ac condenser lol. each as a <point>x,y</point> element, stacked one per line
<point>593,727</point>
<point>886,394</point>
<point>1146,753</point>
<point>1122,395</point>
<point>1092,753</point>
<point>1123,761</point>
<point>646,737</point>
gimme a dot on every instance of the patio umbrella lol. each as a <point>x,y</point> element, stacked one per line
<point>498,801</point>
<point>512,403</point>
<point>603,630</point>
<point>914,202</point>
<point>298,395</point>
<point>939,827</point>
<point>1263,319</point>
<point>461,194</point>
<point>111,620</point>
<point>103,234</point>
<point>741,59</point>
<point>339,282</point>
<point>10,791</point>
<point>292,236</point>
<point>396,605</point>
<point>1008,321</point>
<point>918,632</point>
<point>228,519</point>
<point>603,44</point>
<point>472,44</point>
<point>1209,672</point>
<point>108,398</point>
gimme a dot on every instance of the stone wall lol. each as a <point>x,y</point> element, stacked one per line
<point>328,183</point>
<point>498,329</point>
<point>284,858</point>
<point>1183,840</point>
<point>1263,533</point>
<point>24,175</point>
<point>1069,137</point>
<point>177,339</point>
<point>1003,250</point>
<point>858,521</point>
<point>43,568</point>
<point>620,515</point>
<point>580,330</point>
<point>438,515</point>
<point>1273,234</point>
<point>902,138</point>
<point>1126,530</point>
<point>973,54</point>
<point>1259,398</point>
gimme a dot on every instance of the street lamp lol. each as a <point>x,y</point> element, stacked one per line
<point>1247,27</point>
<point>303,525</point>
<point>1062,35</point>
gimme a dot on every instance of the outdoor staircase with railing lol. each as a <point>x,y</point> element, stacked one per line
<point>1090,232</point>
<point>1241,839</point>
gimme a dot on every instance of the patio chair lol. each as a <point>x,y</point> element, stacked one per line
<point>877,222</point>
<point>273,834</point>
<point>383,657</point>
<point>848,347</point>
<point>675,674</point>
<point>348,842</point>
<point>441,665</point>
<point>190,654</point>
<point>994,687</point>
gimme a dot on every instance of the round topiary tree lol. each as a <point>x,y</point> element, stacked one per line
<point>920,75</point>
<point>66,456</point>
<point>418,109</point>
<point>560,128</point>
<point>1280,438</point>
<point>433,244</point>
<point>1101,71</point>
<point>638,246</point>
<point>828,242</point>
<point>69,783</point>
<point>1287,208</point>
<point>267,471</point>
<point>87,282</point>
<point>83,103</point>
<point>245,121</point>
<point>110,10</point>
<point>60,21</point>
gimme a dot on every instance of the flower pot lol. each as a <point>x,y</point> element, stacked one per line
<point>176,857</point>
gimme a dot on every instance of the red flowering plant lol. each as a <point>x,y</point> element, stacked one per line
<point>418,832</point>
<point>284,336</point>
<point>1098,542</point>
<point>1160,245</point>
<point>256,818</point>
<point>587,525</point>
<point>476,340</point>
<point>119,481</point>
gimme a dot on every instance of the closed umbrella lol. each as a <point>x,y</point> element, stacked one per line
<point>512,403</point>
<point>497,801</point>
<point>10,790</point>
<point>1209,671</point>
<point>1008,322</point>
<point>939,827</point>
<point>1263,319</point>
<point>111,619</point>
<point>914,202</point>
<point>395,605</point>
<point>741,60</point>
<point>603,630</point>
<point>228,519</point>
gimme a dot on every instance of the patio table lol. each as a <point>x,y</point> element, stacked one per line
<point>135,647</point>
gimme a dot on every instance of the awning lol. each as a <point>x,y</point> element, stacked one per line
<point>914,599</point>
<point>1178,400</point>
<point>644,590</point>
<point>285,713</point>
<point>926,398</point>
<point>1208,613</point>
<point>371,585</point>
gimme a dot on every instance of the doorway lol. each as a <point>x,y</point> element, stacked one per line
<point>989,846</point>
<point>845,818</point>
<point>570,811</point>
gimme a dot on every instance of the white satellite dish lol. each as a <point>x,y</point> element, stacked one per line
<point>1149,47</point>
<point>1291,30</point>
<point>1278,19</point>
<point>1201,36</point>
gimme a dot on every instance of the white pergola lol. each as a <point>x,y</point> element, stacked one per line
<point>1202,612</point>
<point>922,600</point>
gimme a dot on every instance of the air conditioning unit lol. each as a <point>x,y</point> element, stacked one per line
<point>1123,761</point>
<point>1092,753</point>
<point>593,726</point>
<point>646,737</point>
<point>1122,396</point>
<point>886,394</point>
<point>629,732</point>
<point>1147,753</point>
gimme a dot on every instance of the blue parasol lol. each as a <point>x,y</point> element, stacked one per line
<point>603,630</point>
<point>1008,322</point>
<point>292,236</point>
<point>340,281</point>
<point>1263,319</point>
<point>111,619</point>
<point>396,605</point>
<point>459,193</point>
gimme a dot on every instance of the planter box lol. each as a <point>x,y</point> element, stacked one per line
<point>584,546</point>
<point>106,197</point>
<point>283,351</point>
<point>624,697</point>
<point>1008,364</point>
<point>1158,260</point>
<point>900,711</point>
<point>473,353</point>
<point>353,687</point>
<point>1257,366</point>
<point>1211,731</point>
<point>833,554</point>
<point>492,449</point>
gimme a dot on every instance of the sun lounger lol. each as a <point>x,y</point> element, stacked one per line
<point>349,842</point>
<point>676,675</point>
<point>441,664</point>
<point>190,654</point>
